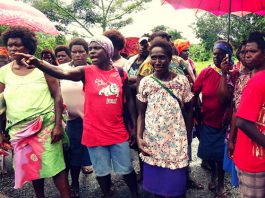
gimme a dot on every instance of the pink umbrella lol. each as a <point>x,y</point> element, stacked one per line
<point>18,13</point>
<point>220,7</point>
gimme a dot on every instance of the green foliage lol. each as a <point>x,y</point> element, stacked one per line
<point>199,53</point>
<point>173,32</point>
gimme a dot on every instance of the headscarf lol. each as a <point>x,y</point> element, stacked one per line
<point>106,44</point>
<point>226,48</point>
<point>3,51</point>
<point>181,45</point>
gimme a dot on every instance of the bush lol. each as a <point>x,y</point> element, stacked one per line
<point>198,53</point>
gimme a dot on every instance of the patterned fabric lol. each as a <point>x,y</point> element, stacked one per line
<point>106,44</point>
<point>165,131</point>
<point>3,51</point>
<point>181,45</point>
<point>239,86</point>
<point>34,155</point>
<point>251,184</point>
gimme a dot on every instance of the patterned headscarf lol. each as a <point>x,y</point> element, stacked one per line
<point>181,45</point>
<point>106,44</point>
<point>3,51</point>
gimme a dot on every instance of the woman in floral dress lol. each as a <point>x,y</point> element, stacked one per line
<point>161,131</point>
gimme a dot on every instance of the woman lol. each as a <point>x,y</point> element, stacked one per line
<point>249,154</point>
<point>48,55</point>
<point>161,132</point>
<point>34,116</point>
<point>104,131</point>
<point>215,85</point>
<point>73,97</point>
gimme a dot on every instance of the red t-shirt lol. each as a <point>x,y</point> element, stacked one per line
<point>213,111</point>
<point>252,99</point>
<point>103,120</point>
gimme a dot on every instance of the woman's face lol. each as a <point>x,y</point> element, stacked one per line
<point>79,55</point>
<point>15,45</point>
<point>97,54</point>
<point>254,56</point>
<point>184,54</point>
<point>218,56</point>
<point>159,59</point>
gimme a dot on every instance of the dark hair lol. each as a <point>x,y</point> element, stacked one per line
<point>160,34</point>
<point>27,36</point>
<point>238,51</point>
<point>226,43</point>
<point>257,37</point>
<point>78,41</point>
<point>64,48</point>
<point>158,42</point>
<point>116,38</point>
<point>49,51</point>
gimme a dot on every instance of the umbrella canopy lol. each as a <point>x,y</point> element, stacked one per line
<point>18,13</point>
<point>220,7</point>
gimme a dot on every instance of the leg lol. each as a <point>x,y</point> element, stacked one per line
<point>131,181</point>
<point>75,172</point>
<point>212,184</point>
<point>61,182</point>
<point>38,186</point>
<point>220,176</point>
<point>101,161</point>
<point>105,183</point>
<point>122,164</point>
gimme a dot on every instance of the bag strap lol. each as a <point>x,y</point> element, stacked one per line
<point>168,90</point>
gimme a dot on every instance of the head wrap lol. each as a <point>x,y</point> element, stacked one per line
<point>3,51</point>
<point>106,44</point>
<point>226,48</point>
<point>181,45</point>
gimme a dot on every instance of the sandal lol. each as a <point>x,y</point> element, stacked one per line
<point>74,192</point>
<point>87,170</point>
<point>194,185</point>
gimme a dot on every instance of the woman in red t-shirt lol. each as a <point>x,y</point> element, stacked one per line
<point>249,154</point>
<point>104,131</point>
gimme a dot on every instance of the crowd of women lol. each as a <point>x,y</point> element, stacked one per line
<point>155,102</point>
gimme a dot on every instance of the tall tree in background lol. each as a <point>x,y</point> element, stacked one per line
<point>175,34</point>
<point>89,13</point>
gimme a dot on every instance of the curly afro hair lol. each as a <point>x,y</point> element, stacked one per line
<point>27,36</point>
<point>117,39</point>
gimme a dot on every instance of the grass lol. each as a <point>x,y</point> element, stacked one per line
<point>201,65</point>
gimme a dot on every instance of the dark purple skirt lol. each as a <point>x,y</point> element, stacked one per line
<point>164,181</point>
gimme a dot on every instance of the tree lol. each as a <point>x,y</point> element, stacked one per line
<point>172,32</point>
<point>210,28</point>
<point>88,13</point>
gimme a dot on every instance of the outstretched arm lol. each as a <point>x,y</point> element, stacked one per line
<point>74,74</point>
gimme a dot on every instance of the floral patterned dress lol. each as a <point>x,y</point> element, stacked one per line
<point>165,132</point>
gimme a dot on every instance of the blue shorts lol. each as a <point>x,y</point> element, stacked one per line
<point>116,157</point>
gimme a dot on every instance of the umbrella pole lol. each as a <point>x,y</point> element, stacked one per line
<point>229,20</point>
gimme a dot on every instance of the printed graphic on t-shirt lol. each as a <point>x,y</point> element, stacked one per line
<point>258,150</point>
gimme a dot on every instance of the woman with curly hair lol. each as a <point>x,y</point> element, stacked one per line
<point>48,55</point>
<point>34,116</point>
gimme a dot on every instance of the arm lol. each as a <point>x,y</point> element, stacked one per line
<point>74,74</point>
<point>188,108</point>
<point>2,116</point>
<point>132,112</point>
<point>141,107</point>
<point>251,130</point>
<point>224,90</point>
<point>232,136</point>
<point>55,90</point>
<point>138,80</point>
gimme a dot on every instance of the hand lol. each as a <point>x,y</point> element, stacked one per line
<point>142,146</point>
<point>132,140</point>
<point>230,149</point>
<point>225,65</point>
<point>28,60</point>
<point>56,134</point>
